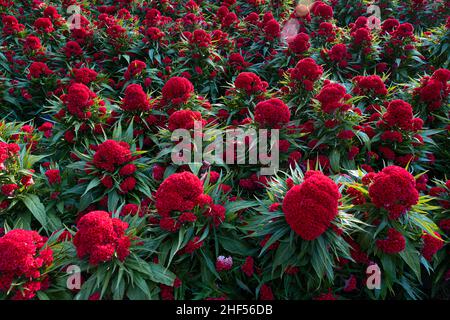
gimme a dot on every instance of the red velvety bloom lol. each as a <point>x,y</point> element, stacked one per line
<point>193,245</point>
<point>21,257</point>
<point>127,185</point>
<point>111,154</point>
<point>8,189</point>
<point>217,212</point>
<point>394,243</point>
<point>128,169</point>
<point>369,85</point>
<point>53,176</point>
<point>99,236</point>
<point>135,99</point>
<point>179,192</point>
<point>272,29</point>
<point>201,38</point>
<point>72,49</point>
<point>135,68</point>
<point>177,90</point>
<point>84,75</point>
<point>43,25</point>
<point>38,70</point>
<point>272,113</point>
<point>306,70</point>
<point>310,207</point>
<point>79,100</point>
<point>247,267</point>
<point>250,83</point>
<point>333,97</point>
<point>265,293</point>
<point>299,43</point>
<point>32,43</point>
<point>322,10</point>
<point>431,245</point>
<point>394,189</point>
<point>399,114</point>
<point>184,119</point>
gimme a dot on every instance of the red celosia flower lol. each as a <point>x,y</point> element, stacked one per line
<point>177,90</point>
<point>38,70</point>
<point>43,25</point>
<point>332,97</point>
<point>265,293</point>
<point>127,170</point>
<point>127,185</point>
<point>307,71</point>
<point>84,75</point>
<point>79,100</point>
<point>247,267</point>
<point>310,208</point>
<point>184,119</point>
<point>193,245</point>
<point>322,10</point>
<point>72,49</point>
<point>21,258</point>
<point>250,83</point>
<point>394,243</point>
<point>399,114</point>
<point>112,154</point>
<point>99,236</point>
<point>431,245</point>
<point>53,176</point>
<point>299,43</point>
<point>272,113</point>
<point>135,68</point>
<point>224,263</point>
<point>8,189</point>
<point>271,29</point>
<point>179,192</point>
<point>394,189</point>
<point>135,99</point>
<point>201,38</point>
<point>369,86</point>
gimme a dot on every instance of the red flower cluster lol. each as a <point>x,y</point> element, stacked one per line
<point>310,207</point>
<point>431,245</point>
<point>393,189</point>
<point>307,71</point>
<point>38,70</point>
<point>112,154</point>
<point>100,237</point>
<point>78,100</point>
<point>272,113</point>
<point>134,69</point>
<point>332,97</point>
<point>200,38</point>
<point>23,257</point>
<point>250,83</point>
<point>434,90</point>
<point>7,150</point>
<point>179,192</point>
<point>177,90</point>
<point>394,243</point>
<point>369,86</point>
<point>184,119</point>
<point>299,43</point>
<point>84,75</point>
<point>135,99</point>
<point>53,176</point>
<point>399,115</point>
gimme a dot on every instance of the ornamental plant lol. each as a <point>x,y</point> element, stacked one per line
<point>301,226</point>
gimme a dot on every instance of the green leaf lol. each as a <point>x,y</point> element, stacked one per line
<point>34,204</point>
